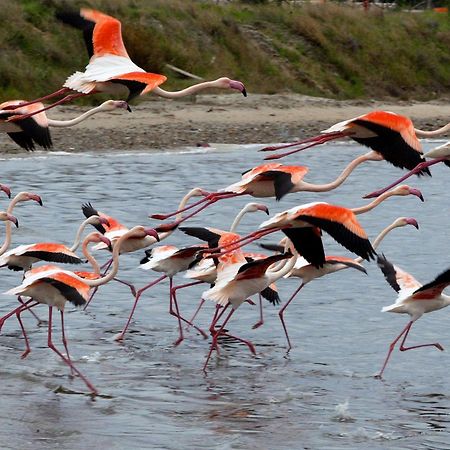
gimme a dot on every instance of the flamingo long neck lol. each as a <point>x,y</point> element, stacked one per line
<point>8,232</point>
<point>88,255</point>
<point>184,92</point>
<point>76,242</point>
<point>378,239</point>
<point>238,218</point>
<point>432,133</point>
<point>370,156</point>
<point>277,273</point>
<point>69,123</point>
<point>374,203</point>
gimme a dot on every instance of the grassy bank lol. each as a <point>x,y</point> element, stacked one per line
<point>321,50</point>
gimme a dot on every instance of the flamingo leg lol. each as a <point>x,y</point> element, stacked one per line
<point>416,170</point>
<point>64,341</point>
<point>65,359</point>
<point>173,301</point>
<point>65,99</point>
<point>261,314</point>
<point>199,307</point>
<point>61,91</point>
<point>126,283</point>
<point>303,141</point>
<point>24,333</point>
<point>105,268</point>
<point>392,346</point>
<point>281,315</point>
<point>177,313</point>
<point>216,318</point>
<point>121,335</point>
<point>38,319</point>
<point>215,336</point>
<point>404,349</point>
<point>247,343</point>
<point>11,313</point>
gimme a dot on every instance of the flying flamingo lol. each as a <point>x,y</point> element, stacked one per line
<point>110,68</point>
<point>55,286</point>
<point>307,272</point>
<point>439,154</point>
<point>274,180</point>
<point>414,299</point>
<point>302,225</point>
<point>390,134</point>
<point>35,129</point>
<point>237,280</point>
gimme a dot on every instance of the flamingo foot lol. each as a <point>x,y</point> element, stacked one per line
<point>257,324</point>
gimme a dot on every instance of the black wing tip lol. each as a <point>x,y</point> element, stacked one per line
<point>388,271</point>
<point>88,210</point>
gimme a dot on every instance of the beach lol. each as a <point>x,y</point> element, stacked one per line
<point>158,123</point>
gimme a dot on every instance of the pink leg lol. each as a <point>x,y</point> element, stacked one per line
<point>416,170</point>
<point>173,301</point>
<point>14,311</point>
<point>261,315</point>
<point>64,341</point>
<point>216,318</point>
<point>281,315</point>
<point>126,283</point>
<point>214,340</point>
<point>199,307</point>
<point>404,349</point>
<point>38,319</point>
<point>66,99</point>
<point>179,316</point>
<point>392,346</point>
<point>66,360</point>
<point>24,333</point>
<point>121,335</point>
<point>40,99</point>
<point>293,144</point>
<point>247,343</point>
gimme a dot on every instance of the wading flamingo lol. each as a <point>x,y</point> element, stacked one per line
<point>237,280</point>
<point>274,180</point>
<point>392,135</point>
<point>110,68</point>
<point>414,299</point>
<point>55,286</point>
<point>307,272</point>
<point>439,154</point>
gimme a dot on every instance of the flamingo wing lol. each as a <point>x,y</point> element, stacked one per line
<point>257,268</point>
<point>209,235</point>
<point>433,289</point>
<point>341,224</point>
<point>308,243</point>
<point>49,251</point>
<point>71,293</point>
<point>349,262</point>
<point>270,293</point>
<point>114,225</point>
<point>282,181</point>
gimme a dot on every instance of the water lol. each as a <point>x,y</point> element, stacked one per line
<point>322,395</point>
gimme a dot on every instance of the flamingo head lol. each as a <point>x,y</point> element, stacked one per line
<point>403,221</point>
<point>5,217</point>
<point>34,197</point>
<point>97,237</point>
<point>141,232</point>
<point>226,83</point>
<point>198,192</point>
<point>253,207</point>
<point>98,220</point>
<point>5,189</point>
<point>404,189</point>
<point>111,105</point>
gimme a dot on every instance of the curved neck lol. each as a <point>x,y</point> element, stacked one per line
<point>88,255</point>
<point>188,91</point>
<point>69,123</point>
<point>238,219</point>
<point>370,156</point>
<point>432,133</point>
<point>76,242</point>
<point>373,204</point>
<point>8,224</point>
<point>277,273</point>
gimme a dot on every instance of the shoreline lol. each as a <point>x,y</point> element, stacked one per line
<point>230,119</point>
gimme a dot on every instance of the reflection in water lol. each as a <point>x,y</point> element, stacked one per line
<point>321,395</point>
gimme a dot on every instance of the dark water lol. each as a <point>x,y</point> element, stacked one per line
<point>322,395</point>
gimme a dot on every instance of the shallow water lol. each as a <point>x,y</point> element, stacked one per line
<point>321,395</point>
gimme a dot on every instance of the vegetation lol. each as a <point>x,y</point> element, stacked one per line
<point>316,49</point>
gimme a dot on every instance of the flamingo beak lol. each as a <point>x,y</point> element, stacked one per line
<point>238,86</point>
<point>417,193</point>
<point>413,222</point>
<point>152,232</point>
<point>129,108</point>
<point>13,219</point>
<point>38,199</point>
<point>6,190</point>
<point>105,240</point>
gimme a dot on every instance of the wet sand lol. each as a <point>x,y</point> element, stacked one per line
<point>232,119</point>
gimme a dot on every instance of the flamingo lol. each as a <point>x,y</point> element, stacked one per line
<point>274,180</point>
<point>307,272</point>
<point>337,221</point>
<point>439,154</point>
<point>110,68</point>
<point>238,279</point>
<point>390,134</point>
<point>414,299</point>
<point>55,286</point>
<point>35,129</point>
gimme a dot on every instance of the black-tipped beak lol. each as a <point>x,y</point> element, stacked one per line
<point>40,202</point>
<point>16,223</point>
<point>129,108</point>
<point>244,92</point>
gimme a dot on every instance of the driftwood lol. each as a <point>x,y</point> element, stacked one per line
<point>183,72</point>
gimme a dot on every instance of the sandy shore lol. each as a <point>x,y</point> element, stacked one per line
<point>159,123</point>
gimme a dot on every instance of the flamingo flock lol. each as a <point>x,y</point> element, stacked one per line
<point>231,274</point>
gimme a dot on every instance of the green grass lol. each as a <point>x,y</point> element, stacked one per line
<point>316,49</point>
